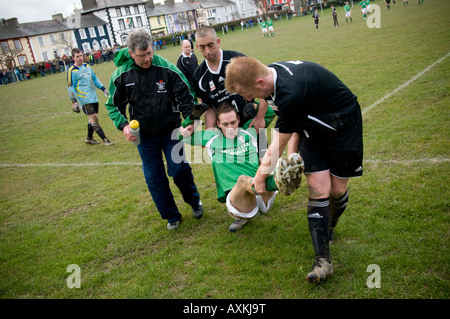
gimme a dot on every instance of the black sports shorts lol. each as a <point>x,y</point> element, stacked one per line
<point>342,153</point>
<point>90,108</point>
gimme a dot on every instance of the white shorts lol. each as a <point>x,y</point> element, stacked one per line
<point>260,207</point>
<point>264,30</point>
<point>348,14</point>
<point>364,10</point>
<point>270,28</point>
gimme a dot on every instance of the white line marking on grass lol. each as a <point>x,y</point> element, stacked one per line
<point>436,160</point>
<point>72,164</point>
<point>418,75</point>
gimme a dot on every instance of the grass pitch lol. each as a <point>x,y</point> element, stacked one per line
<point>63,202</point>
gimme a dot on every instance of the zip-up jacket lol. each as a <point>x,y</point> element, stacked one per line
<point>156,96</point>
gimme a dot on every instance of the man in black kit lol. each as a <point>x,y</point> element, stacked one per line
<point>323,117</point>
<point>210,80</point>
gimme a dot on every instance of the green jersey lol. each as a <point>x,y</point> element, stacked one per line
<point>263,24</point>
<point>270,23</point>
<point>230,158</point>
<point>347,8</point>
<point>363,4</point>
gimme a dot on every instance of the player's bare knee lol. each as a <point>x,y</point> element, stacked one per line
<point>243,180</point>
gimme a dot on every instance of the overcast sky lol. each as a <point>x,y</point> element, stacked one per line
<point>38,10</point>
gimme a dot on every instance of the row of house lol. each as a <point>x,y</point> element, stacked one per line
<point>102,24</point>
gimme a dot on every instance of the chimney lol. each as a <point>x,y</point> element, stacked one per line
<point>77,18</point>
<point>58,17</point>
<point>88,4</point>
<point>13,22</point>
<point>151,4</point>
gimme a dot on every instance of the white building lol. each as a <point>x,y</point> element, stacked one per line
<point>122,16</point>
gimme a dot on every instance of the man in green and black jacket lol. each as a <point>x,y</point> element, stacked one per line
<point>156,92</point>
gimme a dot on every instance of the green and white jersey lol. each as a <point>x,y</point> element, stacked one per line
<point>347,8</point>
<point>363,4</point>
<point>230,158</point>
<point>263,24</point>
<point>269,23</point>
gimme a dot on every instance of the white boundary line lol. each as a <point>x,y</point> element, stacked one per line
<point>72,164</point>
<point>418,75</point>
<point>436,160</point>
<point>367,109</point>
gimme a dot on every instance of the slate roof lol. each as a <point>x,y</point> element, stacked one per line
<point>103,4</point>
<point>86,21</point>
<point>32,29</point>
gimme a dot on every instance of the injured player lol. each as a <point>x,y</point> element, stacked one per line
<point>233,152</point>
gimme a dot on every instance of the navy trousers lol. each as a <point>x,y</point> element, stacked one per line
<point>151,151</point>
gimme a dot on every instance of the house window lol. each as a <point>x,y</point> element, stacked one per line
<point>22,59</point>
<point>18,45</point>
<point>45,55</point>
<point>5,47</point>
<point>41,41</point>
<point>86,47</point>
<point>118,12</point>
<point>121,24</point>
<point>136,9</point>
<point>104,43</point>
<point>62,36</point>
<point>139,21</point>
<point>130,23</point>
<point>82,34</point>
<point>92,32</point>
<point>52,38</point>
<point>127,10</point>
<point>101,31</point>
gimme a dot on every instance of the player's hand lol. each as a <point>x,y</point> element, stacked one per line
<point>259,184</point>
<point>75,107</point>
<point>257,123</point>
<point>127,133</point>
<point>187,131</point>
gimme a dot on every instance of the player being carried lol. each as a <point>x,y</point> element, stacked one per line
<point>233,152</point>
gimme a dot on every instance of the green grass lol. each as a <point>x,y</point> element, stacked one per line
<point>102,218</point>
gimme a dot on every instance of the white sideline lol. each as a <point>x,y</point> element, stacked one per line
<point>436,160</point>
<point>367,109</point>
<point>418,75</point>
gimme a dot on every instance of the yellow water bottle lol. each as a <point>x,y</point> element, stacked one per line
<point>135,130</point>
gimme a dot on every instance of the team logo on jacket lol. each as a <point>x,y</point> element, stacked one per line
<point>161,85</point>
<point>212,86</point>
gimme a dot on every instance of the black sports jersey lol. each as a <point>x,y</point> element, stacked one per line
<point>311,100</point>
<point>210,85</point>
<point>187,65</point>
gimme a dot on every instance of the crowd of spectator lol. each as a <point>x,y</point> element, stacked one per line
<point>59,65</point>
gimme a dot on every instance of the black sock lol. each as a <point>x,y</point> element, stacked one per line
<point>100,133</point>
<point>90,131</point>
<point>319,224</point>
<point>337,207</point>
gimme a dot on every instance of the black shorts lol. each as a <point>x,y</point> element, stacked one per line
<point>90,108</point>
<point>341,154</point>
